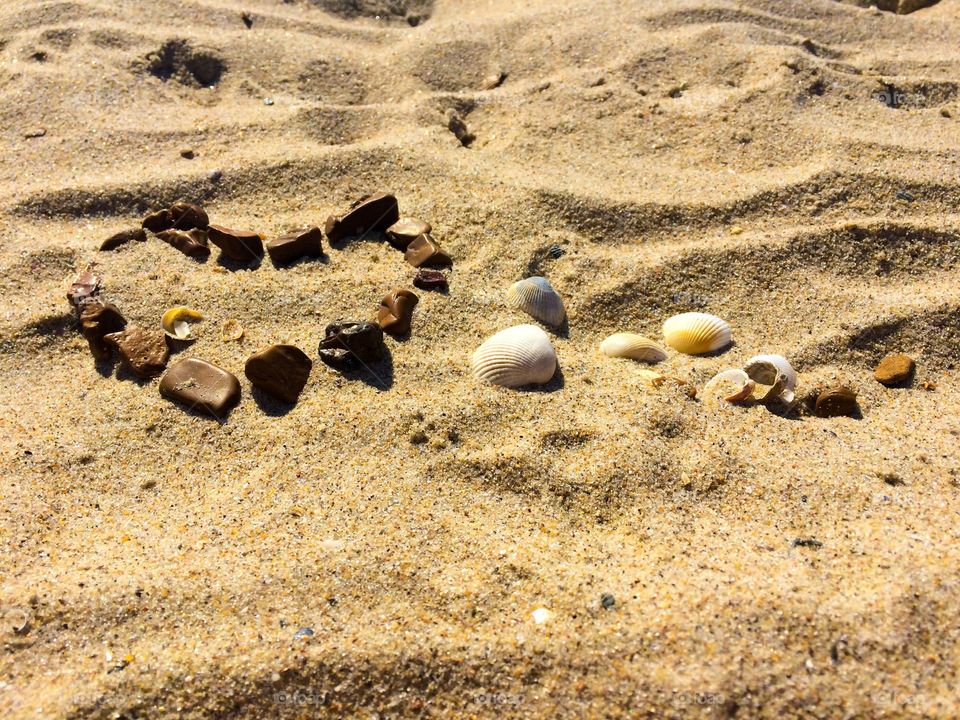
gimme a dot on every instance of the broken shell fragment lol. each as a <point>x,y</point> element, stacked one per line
<point>231,330</point>
<point>732,385</point>
<point>776,372</point>
<point>696,333</point>
<point>176,322</point>
<point>537,298</point>
<point>635,347</point>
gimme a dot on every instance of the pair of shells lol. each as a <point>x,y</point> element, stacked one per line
<point>696,333</point>
<point>520,355</point>
<point>764,378</point>
<point>537,298</point>
<point>177,320</point>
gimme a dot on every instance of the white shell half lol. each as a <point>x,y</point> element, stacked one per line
<point>758,368</point>
<point>537,298</point>
<point>635,347</point>
<point>731,385</point>
<point>520,355</point>
<point>696,333</point>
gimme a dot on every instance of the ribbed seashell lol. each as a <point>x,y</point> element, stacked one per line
<point>732,385</point>
<point>696,333</point>
<point>765,368</point>
<point>520,355</point>
<point>630,345</point>
<point>176,322</point>
<point>537,298</point>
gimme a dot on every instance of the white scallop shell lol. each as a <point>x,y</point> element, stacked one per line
<point>758,368</point>
<point>732,385</point>
<point>630,345</point>
<point>696,333</point>
<point>537,298</point>
<point>520,355</point>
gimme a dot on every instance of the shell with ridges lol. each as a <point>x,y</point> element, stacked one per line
<point>630,345</point>
<point>520,355</point>
<point>759,369</point>
<point>536,297</point>
<point>696,333</point>
<point>176,322</point>
<point>732,385</point>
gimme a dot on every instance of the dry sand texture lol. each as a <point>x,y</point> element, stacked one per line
<point>164,562</point>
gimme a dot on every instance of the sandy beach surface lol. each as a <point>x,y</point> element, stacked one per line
<point>411,542</point>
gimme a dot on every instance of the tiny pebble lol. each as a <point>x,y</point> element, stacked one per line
<point>304,633</point>
<point>556,251</point>
<point>607,600</point>
<point>268,101</point>
<point>904,195</point>
<point>214,175</point>
<point>187,154</point>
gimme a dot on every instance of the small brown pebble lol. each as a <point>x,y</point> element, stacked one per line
<point>405,231</point>
<point>239,245</point>
<point>296,244</point>
<point>945,112</point>
<point>372,212</point>
<point>929,385</point>
<point>836,402</point>
<point>458,127</point>
<point>201,386</point>
<point>33,134</point>
<point>97,320</point>
<point>426,252</point>
<point>122,238</point>
<point>894,369</point>
<point>348,343</point>
<point>187,216</point>
<point>158,221</point>
<point>280,370</point>
<point>143,352</point>
<point>187,154</point>
<point>396,311</point>
<point>85,288</point>
<point>247,19</point>
<point>430,279</point>
<point>192,243</point>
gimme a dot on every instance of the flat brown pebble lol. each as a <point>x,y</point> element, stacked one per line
<point>296,244</point>
<point>187,216</point>
<point>372,212</point>
<point>97,320</point>
<point>405,231</point>
<point>143,352</point>
<point>426,252</point>
<point>396,311</point>
<point>85,288</point>
<point>430,279</point>
<point>192,243</point>
<point>837,401</point>
<point>239,245</point>
<point>201,386</point>
<point>280,370</point>
<point>123,237</point>
<point>895,369</point>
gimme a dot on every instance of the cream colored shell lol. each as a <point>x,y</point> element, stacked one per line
<point>774,371</point>
<point>537,298</point>
<point>520,355</point>
<point>696,333</point>
<point>635,347</point>
<point>732,385</point>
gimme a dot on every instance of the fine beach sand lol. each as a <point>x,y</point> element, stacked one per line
<point>163,562</point>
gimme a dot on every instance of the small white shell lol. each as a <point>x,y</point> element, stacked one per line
<point>176,322</point>
<point>520,355</point>
<point>696,333</point>
<point>731,385</point>
<point>537,298</point>
<point>758,368</point>
<point>630,345</point>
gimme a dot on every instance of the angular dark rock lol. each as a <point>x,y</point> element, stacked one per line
<point>239,245</point>
<point>396,311</point>
<point>143,352</point>
<point>122,238</point>
<point>97,320</point>
<point>280,370</point>
<point>192,243</point>
<point>426,252</point>
<point>348,344</point>
<point>296,244</point>
<point>373,212</point>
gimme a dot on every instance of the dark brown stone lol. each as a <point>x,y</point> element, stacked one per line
<point>430,280</point>
<point>373,212</point>
<point>143,352</point>
<point>158,221</point>
<point>426,252</point>
<point>296,244</point>
<point>201,386</point>
<point>895,369</point>
<point>396,311</point>
<point>280,370</point>
<point>187,216</point>
<point>122,238</point>
<point>192,243</point>
<point>837,401</point>
<point>405,231</point>
<point>239,245</point>
<point>97,320</point>
<point>347,344</point>
<point>85,288</point>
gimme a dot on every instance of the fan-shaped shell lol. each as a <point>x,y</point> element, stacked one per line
<point>537,298</point>
<point>732,385</point>
<point>630,345</point>
<point>696,333</point>
<point>520,355</point>
<point>759,369</point>
<point>176,322</point>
